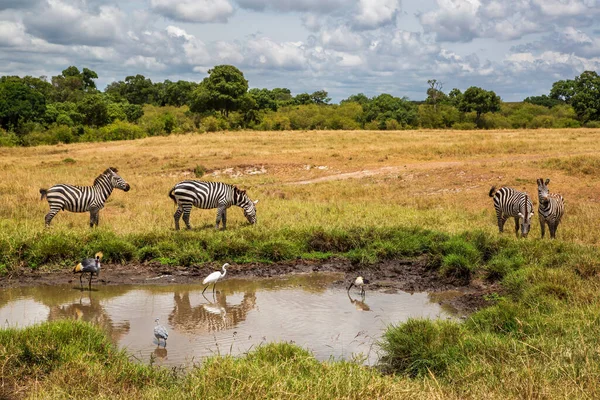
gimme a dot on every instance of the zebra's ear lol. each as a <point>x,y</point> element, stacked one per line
<point>255,201</point>
<point>242,192</point>
<point>539,181</point>
<point>547,181</point>
<point>113,169</point>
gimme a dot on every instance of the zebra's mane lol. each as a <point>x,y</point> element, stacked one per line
<point>107,171</point>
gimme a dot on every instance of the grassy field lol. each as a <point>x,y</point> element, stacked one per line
<point>361,195</point>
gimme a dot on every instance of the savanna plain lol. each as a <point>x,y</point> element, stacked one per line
<point>362,196</point>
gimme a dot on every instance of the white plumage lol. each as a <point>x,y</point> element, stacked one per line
<point>214,278</point>
<point>160,332</point>
<point>360,282</point>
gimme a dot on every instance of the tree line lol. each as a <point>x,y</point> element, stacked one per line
<point>69,107</point>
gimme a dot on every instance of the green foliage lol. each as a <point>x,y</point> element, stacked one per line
<point>479,100</point>
<point>19,103</point>
<point>421,347</point>
<point>8,139</point>
<point>220,91</point>
<point>94,109</point>
<point>583,93</point>
<point>118,130</point>
<point>199,171</point>
<point>543,100</point>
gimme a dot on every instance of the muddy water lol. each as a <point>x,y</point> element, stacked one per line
<point>241,315</point>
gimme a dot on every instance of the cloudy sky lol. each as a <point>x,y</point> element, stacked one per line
<point>514,47</point>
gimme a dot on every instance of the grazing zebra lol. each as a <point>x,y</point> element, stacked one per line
<point>83,198</point>
<point>509,202</point>
<point>208,195</point>
<point>550,209</point>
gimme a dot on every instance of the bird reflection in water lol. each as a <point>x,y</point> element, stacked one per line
<point>160,352</point>
<point>359,304</point>
<point>209,316</point>
<point>89,309</point>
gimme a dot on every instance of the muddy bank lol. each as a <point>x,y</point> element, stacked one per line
<point>388,276</point>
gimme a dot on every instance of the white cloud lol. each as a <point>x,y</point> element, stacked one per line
<point>263,51</point>
<point>62,22</point>
<point>145,63</point>
<point>12,34</point>
<point>373,14</point>
<point>193,10</point>
<point>313,6</point>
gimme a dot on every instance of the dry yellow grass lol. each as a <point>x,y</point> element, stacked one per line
<point>432,179</point>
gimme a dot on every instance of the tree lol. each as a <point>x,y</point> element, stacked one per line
<point>94,109</point>
<point>320,97</point>
<point>479,100</point>
<point>360,98</point>
<point>71,84</point>
<point>387,107</point>
<point>434,93</point>
<point>283,96</point>
<point>586,100</point>
<point>264,99</point>
<point>221,90</point>
<point>139,90</point>
<point>543,100</point>
<point>563,90</point>
<point>176,93</point>
<point>455,97</point>
<point>303,99</point>
<point>19,103</point>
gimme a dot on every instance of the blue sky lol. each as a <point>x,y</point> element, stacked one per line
<point>517,48</point>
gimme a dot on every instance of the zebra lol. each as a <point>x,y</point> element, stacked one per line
<point>83,198</point>
<point>207,195</point>
<point>509,202</point>
<point>550,209</point>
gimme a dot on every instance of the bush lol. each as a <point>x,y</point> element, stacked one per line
<point>199,171</point>
<point>118,130</point>
<point>8,139</point>
<point>464,126</point>
<point>419,347</point>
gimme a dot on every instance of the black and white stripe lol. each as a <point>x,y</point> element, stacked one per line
<point>208,195</point>
<point>83,198</point>
<point>550,209</point>
<point>509,202</point>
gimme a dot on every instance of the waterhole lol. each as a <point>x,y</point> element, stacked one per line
<point>242,314</point>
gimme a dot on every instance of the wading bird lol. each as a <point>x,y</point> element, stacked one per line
<point>88,265</point>
<point>160,332</point>
<point>214,277</point>
<point>359,281</point>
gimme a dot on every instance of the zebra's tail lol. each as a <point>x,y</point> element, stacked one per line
<point>43,192</point>
<point>172,196</point>
<point>492,191</point>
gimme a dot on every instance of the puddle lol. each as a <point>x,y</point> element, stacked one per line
<point>241,315</point>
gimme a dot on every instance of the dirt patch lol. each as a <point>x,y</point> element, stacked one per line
<point>387,276</point>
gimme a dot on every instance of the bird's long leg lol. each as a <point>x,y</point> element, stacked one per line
<point>90,284</point>
<point>81,280</point>
<point>215,284</point>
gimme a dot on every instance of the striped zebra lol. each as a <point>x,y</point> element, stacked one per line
<point>550,209</point>
<point>83,198</point>
<point>209,195</point>
<point>509,202</point>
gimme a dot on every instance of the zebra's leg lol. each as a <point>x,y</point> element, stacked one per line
<point>94,217</point>
<point>177,216</point>
<point>517,226</point>
<point>501,222</point>
<point>552,227</point>
<point>50,215</point>
<point>543,226</point>
<point>187,209</point>
<point>221,216</point>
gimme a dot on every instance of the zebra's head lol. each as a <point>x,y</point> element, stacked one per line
<point>543,192</point>
<point>247,205</point>
<point>525,215</point>
<point>116,181</point>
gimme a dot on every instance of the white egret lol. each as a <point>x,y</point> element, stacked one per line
<point>214,277</point>
<point>361,282</point>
